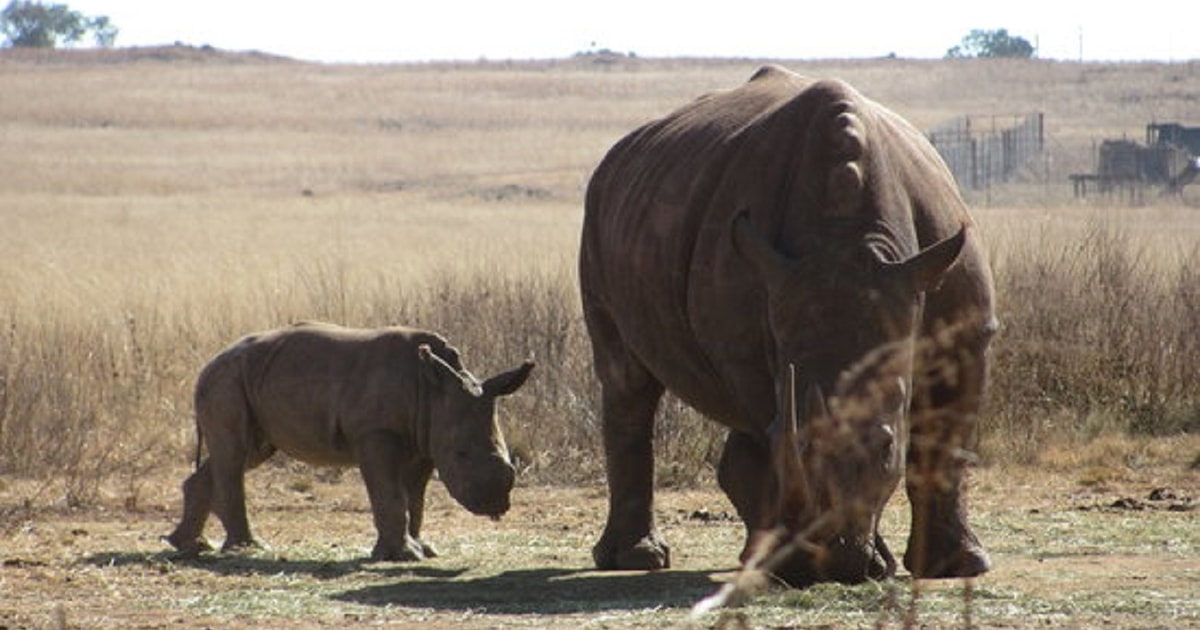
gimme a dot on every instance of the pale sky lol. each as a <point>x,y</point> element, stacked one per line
<point>370,31</point>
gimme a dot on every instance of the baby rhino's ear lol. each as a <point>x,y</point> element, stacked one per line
<point>508,382</point>
<point>426,367</point>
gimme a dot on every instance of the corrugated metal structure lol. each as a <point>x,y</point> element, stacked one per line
<point>983,151</point>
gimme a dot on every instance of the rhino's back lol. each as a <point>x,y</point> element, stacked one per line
<point>648,198</point>
<point>662,194</point>
<point>313,388</point>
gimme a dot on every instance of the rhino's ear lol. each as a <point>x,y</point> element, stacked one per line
<point>925,270</point>
<point>508,382</point>
<point>428,369</point>
<point>469,383</point>
<point>434,368</point>
<point>754,248</point>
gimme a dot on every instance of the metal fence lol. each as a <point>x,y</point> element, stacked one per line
<point>986,150</point>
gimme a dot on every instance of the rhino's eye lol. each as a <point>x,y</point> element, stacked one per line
<point>885,444</point>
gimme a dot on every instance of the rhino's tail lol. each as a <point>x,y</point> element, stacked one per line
<point>199,445</point>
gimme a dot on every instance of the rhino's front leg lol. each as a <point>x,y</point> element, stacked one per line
<point>381,459</point>
<point>745,464</point>
<point>416,479</point>
<point>942,543</point>
<point>630,540</point>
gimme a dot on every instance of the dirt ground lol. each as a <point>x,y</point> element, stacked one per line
<point>1070,549</point>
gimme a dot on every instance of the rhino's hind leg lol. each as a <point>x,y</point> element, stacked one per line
<point>230,508</point>
<point>229,491</point>
<point>197,501</point>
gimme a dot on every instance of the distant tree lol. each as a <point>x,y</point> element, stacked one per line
<point>27,24</point>
<point>993,43</point>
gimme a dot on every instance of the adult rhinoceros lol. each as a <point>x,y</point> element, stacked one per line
<point>791,223</point>
<point>396,401</point>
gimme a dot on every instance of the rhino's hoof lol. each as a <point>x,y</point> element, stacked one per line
<point>966,562</point>
<point>650,554</point>
<point>240,546</point>
<point>410,551</point>
<point>188,549</point>
<point>882,564</point>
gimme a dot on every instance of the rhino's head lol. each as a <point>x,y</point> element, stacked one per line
<point>464,438</point>
<point>842,318</point>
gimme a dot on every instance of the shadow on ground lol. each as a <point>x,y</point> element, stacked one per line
<point>262,563</point>
<point>543,591</point>
<point>519,592</point>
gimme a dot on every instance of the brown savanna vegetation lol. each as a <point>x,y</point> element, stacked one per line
<point>156,204</point>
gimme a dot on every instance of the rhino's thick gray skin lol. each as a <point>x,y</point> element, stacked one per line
<point>395,401</point>
<point>791,222</point>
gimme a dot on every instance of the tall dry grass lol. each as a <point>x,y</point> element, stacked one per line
<point>157,206</point>
<point>108,318</point>
<point>1100,316</point>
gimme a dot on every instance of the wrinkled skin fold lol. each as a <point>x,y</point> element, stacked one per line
<point>793,260</point>
<point>396,402</point>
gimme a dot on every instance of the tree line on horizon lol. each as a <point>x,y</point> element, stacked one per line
<point>34,24</point>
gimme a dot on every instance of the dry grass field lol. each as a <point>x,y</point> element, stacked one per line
<point>156,204</point>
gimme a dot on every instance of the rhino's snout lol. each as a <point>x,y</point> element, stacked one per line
<point>838,561</point>
<point>853,563</point>
<point>486,492</point>
<point>495,510</point>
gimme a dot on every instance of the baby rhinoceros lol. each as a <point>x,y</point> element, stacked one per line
<point>396,401</point>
